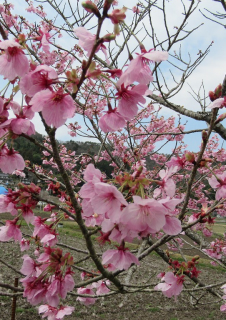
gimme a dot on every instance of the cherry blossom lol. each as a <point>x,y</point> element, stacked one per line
<point>86,301</point>
<point>130,98</point>
<point>10,230</point>
<point>111,121</point>
<point>10,160</point>
<point>172,285</point>
<point>139,70</point>
<point>37,80</point>
<point>217,103</point>
<point>87,41</point>
<point>13,62</point>
<point>144,215</point>
<point>141,195</point>
<point>56,107</point>
<point>55,313</point>
<point>219,183</point>
<point>120,259</point>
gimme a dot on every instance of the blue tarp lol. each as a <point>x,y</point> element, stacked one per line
<point>3,190</point>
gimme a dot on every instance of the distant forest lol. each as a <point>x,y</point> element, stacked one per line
<point>33,153</point>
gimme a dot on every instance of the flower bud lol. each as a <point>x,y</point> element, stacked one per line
<point>21,39</point>
<point>216,94</point>
<point>204,135</point>
<point>84,63</point>
<point>138,172</point>
<point>204,162</point>
<point>89,6</point>
<point>190,157</point>
<point>195,258</point>
<point>108,37</point>
<point>107,5</point>
<point>218,91</point>
<point>117,15</point>
<point>72,75</point>
<point>212,96</point>
<point>220,118</point>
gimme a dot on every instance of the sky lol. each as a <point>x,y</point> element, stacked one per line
<point>210,72</point>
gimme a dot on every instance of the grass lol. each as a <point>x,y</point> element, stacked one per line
<point>153,309</point>
<point>205,263</point>
<point>219,228</point>
<point>30,310</point>
<point>5,298</point>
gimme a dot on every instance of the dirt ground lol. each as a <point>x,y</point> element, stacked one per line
<point>126,307</point>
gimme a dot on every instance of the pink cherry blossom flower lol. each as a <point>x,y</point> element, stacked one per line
<point>218,103</point>
<point>10,230</point>
<point>53,313</point>
<point>27,213</point>
<point>171,204</point>
<point>135,9</point>
<point>52,296</point>
<point>28,112</point>
<point>67,284</point>
<point>44,39</point>
<point>139,70</point>
<point>13,62</point>
<point>223,308</point>
<point>144,215</point>
<point>19,125</point>
<point>29,266</point>
<point>130,98</point>
<point>92,176</point>
<point>39,79</point>
<point>121,259</point>
<point>114,72</point>
<point>112,121</point>
<point>172,225</point>
<point>34,290</point>
<point>117,15</point>
<point>167,184</point>
<point>10,160</point>
<point>87,41</point>
<point>64,311</point>
<point>224,288</point>
<point>107,200</point>
<point>47,235</point>
<point>15,106</point>
<point>24,244</point>
<point>172,285</point>
<point>56,107</point>
<point>19,173</point>
<point>219,183</point>
<point>49,239</point>
<point>101,287</point>
<point>7,205</point>
<point>85,300</point>
<point>176,162</point>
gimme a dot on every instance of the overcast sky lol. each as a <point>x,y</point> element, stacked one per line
<point>211,72</point>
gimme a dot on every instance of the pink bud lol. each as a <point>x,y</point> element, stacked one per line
<point>117,15</point>
<point>204,135</point>
<point>220,118</point>
<point>107,5</point>
<point>89,6</point>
